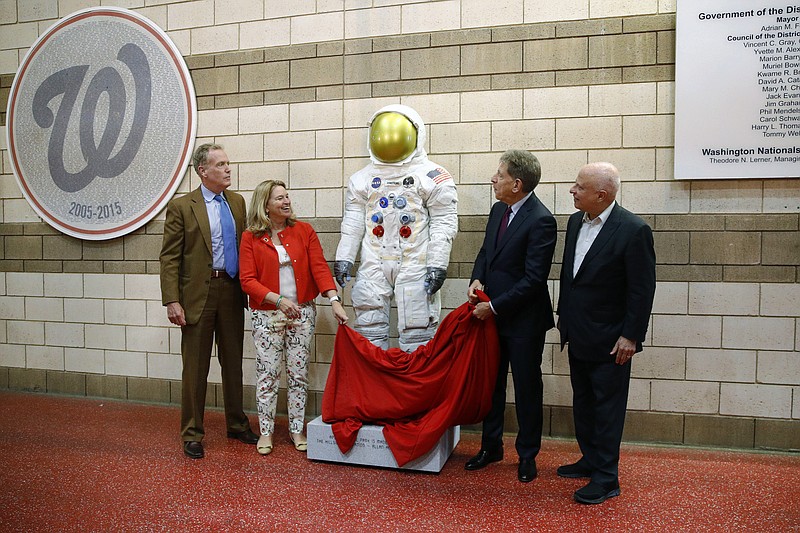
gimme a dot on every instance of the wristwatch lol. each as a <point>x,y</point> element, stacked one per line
<point>336,298</point>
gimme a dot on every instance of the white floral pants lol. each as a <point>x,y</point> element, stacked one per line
<point>275,335</point>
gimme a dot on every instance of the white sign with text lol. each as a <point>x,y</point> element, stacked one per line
<point>737,89</point>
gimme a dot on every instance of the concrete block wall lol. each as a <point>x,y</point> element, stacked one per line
<point>288,88</point>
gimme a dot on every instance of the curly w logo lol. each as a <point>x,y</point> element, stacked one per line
<point>98,155</point>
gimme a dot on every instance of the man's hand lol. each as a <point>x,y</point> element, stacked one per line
<point>624,350</point>
<point>472,296</point>
<point>482,311</point>
<point>434,279</point>
<point>175,313</point>
<point>341,271</point>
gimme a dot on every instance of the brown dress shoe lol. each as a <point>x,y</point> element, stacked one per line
<point>246,436</point>
<point>193,449</point>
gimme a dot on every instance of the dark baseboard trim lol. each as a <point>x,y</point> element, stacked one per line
<point>742,433</point>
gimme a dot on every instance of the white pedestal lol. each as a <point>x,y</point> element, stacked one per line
<point>371,449</point>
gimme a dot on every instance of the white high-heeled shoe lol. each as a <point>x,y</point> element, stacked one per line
<point>300,441</point>
<point>264,445</point>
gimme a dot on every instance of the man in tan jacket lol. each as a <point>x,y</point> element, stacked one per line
<point>200,288</point>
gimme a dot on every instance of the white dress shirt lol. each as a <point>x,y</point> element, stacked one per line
<point>587,234</point>
<point>516,206</point>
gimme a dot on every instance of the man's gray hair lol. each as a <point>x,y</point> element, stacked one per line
<point>200,156</point>
<point>524,166</point>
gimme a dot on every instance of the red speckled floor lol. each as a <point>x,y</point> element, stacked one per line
<point>76,464</point>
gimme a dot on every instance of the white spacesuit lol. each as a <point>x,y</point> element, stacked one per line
<point>401,209</point>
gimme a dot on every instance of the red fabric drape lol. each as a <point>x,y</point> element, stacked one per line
<point>416,396</point>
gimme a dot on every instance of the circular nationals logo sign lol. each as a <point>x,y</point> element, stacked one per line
<point>101,123</point>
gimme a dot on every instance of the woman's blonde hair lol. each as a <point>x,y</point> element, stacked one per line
<point>258,222</point>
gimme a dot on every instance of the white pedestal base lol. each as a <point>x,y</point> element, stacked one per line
<point>371,449</point>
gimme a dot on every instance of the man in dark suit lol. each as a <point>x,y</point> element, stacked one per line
<point>512,268</point>
<point>200,288</point>
<point>608,282</point>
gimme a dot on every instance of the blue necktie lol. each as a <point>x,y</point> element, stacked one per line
<point>228,237</point>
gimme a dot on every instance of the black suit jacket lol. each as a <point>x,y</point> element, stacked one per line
<point>612,293</point>
<point>514,271</point>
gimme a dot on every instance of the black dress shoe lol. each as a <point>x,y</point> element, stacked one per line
<point>483,458</point>
<point>595,493</point>
<point>574,470</point>
<point>193,449</point>
<point>246,436</point>
<point>527,470</point>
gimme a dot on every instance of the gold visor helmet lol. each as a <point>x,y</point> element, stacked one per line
<point>392,137</point>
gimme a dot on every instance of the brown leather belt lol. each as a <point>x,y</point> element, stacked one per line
<point>219,274</point>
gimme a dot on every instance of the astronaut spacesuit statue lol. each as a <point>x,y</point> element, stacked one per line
<point>402,210</point>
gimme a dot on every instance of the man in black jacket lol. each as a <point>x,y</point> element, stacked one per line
<point>607,287</point>
<point>512,268</point>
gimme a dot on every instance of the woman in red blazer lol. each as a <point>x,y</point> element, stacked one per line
<point>282,269</point>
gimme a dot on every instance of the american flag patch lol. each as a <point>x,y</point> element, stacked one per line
<point>438,175</point>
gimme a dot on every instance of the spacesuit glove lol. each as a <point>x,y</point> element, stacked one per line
<point>341,271</point>
<point>434,279</point>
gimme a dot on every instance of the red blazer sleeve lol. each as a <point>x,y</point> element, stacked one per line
<point>248,271</point>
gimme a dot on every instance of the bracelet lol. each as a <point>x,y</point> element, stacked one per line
<point>278,301</point>
<point>335,298</point>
